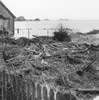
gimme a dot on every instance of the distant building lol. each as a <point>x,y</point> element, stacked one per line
<point>6,21</point>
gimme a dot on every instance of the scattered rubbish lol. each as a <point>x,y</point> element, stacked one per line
<point>66,64</point>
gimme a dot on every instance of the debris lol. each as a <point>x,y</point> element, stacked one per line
<point>65,64</point>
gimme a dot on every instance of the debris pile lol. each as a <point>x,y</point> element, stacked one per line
<point>68,65</point>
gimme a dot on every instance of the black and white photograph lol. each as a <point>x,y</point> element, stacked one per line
<point>49,49</point>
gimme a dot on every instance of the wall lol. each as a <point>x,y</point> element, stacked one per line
<point>6,14</point>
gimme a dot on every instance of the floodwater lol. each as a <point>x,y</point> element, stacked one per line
<point>41,28</point>
<point>97,98</point>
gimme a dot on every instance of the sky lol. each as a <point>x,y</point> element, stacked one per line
<point>55,9</point>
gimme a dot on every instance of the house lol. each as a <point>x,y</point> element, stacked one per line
<point>6,21</point>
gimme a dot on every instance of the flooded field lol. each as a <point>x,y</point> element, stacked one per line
<point>47,27</point>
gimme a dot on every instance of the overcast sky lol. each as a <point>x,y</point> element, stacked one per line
<point>54,9</point>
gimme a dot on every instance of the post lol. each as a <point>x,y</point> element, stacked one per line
<point>47,32</point>
<point>29,32</point>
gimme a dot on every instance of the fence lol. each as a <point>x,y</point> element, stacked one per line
<point>16,86</point>
<point>28,32</point>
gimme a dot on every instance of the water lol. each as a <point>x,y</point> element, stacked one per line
<point>46,27</point>
<point>97,98</point>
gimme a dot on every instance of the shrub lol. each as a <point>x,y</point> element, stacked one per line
<point>61,35</point>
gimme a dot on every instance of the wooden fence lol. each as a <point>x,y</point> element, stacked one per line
<point>16,87</point>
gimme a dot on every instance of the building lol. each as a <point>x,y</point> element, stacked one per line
<point>6,21</point>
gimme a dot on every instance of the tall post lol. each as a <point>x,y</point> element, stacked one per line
<point>29,32</point>
<point>47,32</point>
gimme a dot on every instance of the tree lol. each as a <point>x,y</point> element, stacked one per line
<point>61,35</point>
<point>36,19</point>
<point>20,18</point>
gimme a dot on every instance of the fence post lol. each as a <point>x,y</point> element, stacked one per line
<point>52,95</point>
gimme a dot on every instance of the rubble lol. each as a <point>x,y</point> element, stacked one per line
<point>68,65</point>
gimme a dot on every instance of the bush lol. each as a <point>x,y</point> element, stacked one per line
<point>61,35</point>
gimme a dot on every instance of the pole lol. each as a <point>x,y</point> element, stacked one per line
<point>29,32</point>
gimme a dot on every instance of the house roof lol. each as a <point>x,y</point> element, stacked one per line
<point>7,9</point>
